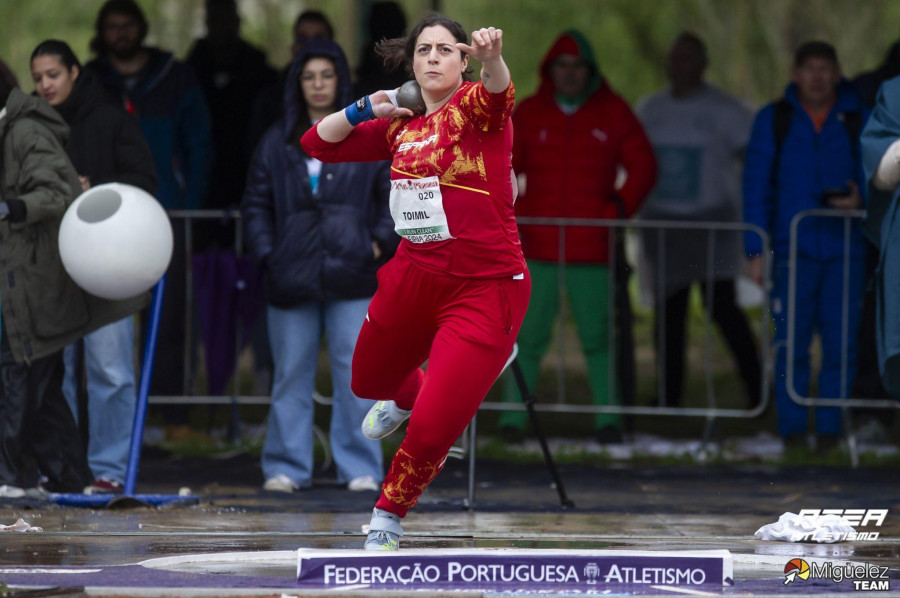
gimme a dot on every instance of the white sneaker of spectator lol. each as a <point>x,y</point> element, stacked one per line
<point>280,483</point>
<point>11,492</point>
<point>363,483</point>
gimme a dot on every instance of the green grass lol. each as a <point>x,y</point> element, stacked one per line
<point>494,448</point>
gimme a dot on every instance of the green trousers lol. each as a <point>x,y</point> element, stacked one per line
<point>587,287</point>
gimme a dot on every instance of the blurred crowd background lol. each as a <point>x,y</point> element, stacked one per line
<point>751,43</point>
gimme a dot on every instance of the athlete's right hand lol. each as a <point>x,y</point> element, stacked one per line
<point>384,108</point>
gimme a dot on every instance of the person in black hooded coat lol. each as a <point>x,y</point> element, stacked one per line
<point>320,231</point>
<point>106,145</point>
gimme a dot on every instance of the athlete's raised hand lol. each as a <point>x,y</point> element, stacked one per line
<point>487,43</point>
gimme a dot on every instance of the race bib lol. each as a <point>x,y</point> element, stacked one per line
<point>418,210</point>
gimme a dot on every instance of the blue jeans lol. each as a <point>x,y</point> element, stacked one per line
<point>295,335</point>
<point>819,300</point>
<point>111,396</point>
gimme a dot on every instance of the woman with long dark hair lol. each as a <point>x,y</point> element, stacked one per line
<point>320,232</point>
<point>457,290</point>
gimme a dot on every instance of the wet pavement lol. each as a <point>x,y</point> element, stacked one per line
<point>616,508</point>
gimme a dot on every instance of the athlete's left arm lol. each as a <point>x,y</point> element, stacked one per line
<point>487,44</point>
<point>489,104</point>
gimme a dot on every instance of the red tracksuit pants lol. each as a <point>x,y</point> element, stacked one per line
<point>465,328</point>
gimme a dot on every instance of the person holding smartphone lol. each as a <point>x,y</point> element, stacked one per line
<point>804,154</point>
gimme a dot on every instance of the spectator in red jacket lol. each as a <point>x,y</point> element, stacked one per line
<point>571,140</point>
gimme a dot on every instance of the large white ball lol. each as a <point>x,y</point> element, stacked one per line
<point>115,241</point>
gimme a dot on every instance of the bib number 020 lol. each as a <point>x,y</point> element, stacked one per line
<point>418,210</point>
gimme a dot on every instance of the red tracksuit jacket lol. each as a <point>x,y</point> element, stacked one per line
<point>571,163</point>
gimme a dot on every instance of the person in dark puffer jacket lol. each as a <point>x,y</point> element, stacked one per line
<point>106,145</point>
<point>321,231</point>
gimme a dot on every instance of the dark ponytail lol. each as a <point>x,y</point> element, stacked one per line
<point>55,47</point>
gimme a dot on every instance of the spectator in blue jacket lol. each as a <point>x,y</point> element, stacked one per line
<point>169,103</point>
<point>804,154</point>
<point>320,231</point>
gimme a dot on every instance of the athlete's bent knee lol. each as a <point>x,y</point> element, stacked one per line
<point>369,388</point>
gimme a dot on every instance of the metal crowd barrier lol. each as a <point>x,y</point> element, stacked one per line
<point>848,217</point>
<point>711,411</point>
<point>843,402</point>
<point>468,445</point>
<point>187,217</point>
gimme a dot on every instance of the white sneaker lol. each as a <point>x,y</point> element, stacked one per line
<point>362,483</point>
<point>384,531</point>
<point>11,492</point>
<point>280,483</point>
<point>383,418</point>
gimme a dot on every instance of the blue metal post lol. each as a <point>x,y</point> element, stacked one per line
<point>140,412</point>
